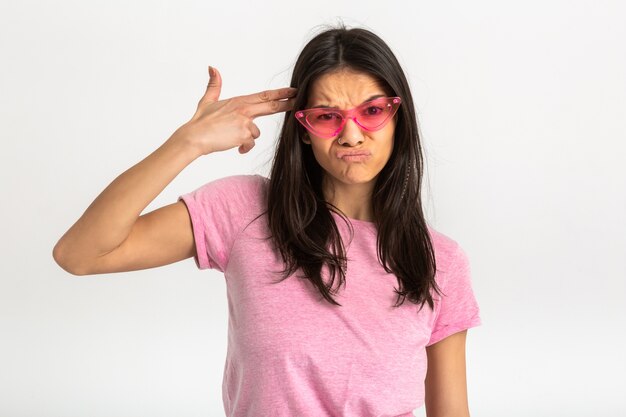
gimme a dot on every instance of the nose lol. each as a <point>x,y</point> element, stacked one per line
<point>351,134</point>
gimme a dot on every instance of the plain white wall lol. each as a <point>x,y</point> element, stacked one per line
<point>522,108</point>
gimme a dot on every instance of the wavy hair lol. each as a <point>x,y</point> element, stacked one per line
<point>299,219</point>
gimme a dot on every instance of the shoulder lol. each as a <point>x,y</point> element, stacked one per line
<point>243,189</point>
<point>449,255</point>
<point>446,248</point>
<point>235,195</point>
<point>244,183</point>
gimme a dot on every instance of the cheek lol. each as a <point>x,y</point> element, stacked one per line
<point>320,153</point>
<point>386,140</point>
<point>386,150</point>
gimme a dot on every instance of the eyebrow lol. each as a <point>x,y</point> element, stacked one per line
<point>323,106</point>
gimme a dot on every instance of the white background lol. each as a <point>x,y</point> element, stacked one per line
<point>522,109</point>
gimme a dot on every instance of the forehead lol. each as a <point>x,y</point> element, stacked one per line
<point>343,89</point>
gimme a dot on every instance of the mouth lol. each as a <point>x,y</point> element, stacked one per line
<point>354,156</point>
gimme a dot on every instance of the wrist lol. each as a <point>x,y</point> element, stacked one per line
<point>180,141</point>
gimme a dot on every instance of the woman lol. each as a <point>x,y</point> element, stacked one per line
<point>342,206</point>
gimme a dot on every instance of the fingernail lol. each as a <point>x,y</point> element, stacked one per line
<point>211,71</point>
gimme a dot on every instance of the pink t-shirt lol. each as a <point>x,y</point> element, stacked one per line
<point>290,352</point>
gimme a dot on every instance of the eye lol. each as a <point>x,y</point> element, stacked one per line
<point>327,116</point>
<point>374,110</point>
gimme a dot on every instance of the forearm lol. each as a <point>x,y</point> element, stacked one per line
<point>108,220</point>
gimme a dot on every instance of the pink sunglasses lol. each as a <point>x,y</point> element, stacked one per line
<point>372,115</point>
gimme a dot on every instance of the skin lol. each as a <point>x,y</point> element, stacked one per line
<point>349,184</point>
<point>446,383</point>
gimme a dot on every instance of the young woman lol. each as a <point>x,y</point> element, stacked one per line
<point>320,257</point>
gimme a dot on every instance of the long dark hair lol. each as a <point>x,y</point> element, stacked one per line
<point>299,219</point>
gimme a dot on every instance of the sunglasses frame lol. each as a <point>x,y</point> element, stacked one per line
<point>302,115</point>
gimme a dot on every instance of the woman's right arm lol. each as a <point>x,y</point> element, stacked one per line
<point>111,236</point>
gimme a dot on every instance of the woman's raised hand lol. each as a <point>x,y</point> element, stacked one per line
<point>219,125</point>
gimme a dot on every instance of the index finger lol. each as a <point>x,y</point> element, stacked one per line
<point>269,95</point>
<point>270,101</point>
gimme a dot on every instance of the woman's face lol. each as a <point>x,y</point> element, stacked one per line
<point>348,89</point>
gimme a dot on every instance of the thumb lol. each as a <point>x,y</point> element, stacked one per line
<point>214,87</point>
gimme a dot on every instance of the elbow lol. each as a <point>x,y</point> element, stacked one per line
<point>61,260</point>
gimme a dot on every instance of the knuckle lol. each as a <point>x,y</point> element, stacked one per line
<point>251,133</point>
<point>265,95</point>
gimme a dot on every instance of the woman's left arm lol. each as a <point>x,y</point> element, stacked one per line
<point>446,384</point>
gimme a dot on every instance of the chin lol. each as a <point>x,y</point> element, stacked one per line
<point>352,176</point>
<point>357,179</point>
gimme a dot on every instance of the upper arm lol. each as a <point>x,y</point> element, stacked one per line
<point>446,385</point>
<point>158,238</point>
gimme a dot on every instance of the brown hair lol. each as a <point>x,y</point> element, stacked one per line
<point>302,228</point>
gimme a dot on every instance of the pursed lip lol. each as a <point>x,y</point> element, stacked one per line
<point>341,154</point>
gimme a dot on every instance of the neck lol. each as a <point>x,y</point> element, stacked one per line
<point>355,200</point>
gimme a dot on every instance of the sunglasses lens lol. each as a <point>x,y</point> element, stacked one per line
<point>325,122</point>
<point>371,116</point>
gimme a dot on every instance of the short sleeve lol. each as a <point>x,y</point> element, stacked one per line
<point>218,210</point>
<point>458,309</point>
